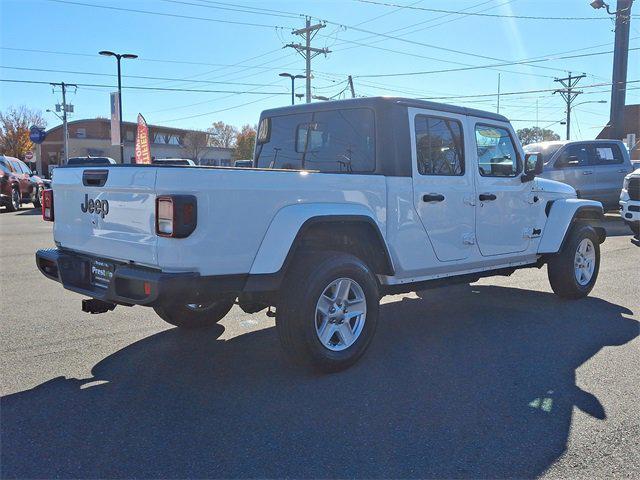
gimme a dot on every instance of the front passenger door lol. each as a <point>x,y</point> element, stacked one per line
<point>504,208</point>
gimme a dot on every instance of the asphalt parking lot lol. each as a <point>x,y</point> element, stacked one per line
<point>493,380</point>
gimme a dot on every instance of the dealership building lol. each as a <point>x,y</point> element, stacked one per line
<point>93,137</point>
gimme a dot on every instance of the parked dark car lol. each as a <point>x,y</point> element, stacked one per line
<point>92,161</point>
<point>243,163</point>
<point>174,161</point>
<point>595,168</point>
<point>18,184</point>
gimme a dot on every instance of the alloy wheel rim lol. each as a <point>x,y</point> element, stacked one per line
<point>15,198</point>
<point>341,313</point>
<point>584,262</point>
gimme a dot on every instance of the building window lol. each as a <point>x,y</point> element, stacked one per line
<point>129,135</point>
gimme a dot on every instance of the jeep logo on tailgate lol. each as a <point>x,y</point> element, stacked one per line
<point>94,206</point>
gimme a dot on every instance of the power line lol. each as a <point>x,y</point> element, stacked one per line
<point>143,77</point>
<point>162,14</point>
<point>519,62</point>
<point>494,15</point>
<point>229,8</point>
<point>160,89</point>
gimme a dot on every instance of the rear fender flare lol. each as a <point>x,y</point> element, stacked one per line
<point>562,214</point>
<point>291,221</point>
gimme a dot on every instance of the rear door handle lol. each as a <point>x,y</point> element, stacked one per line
<point>622,171</point>
<point>588,172</point>
<point>433,197</point>
<point>485,197</point>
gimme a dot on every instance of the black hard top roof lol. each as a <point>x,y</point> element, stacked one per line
<point>377,102</point>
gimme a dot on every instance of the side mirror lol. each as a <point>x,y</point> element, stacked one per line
<point>532,166</point>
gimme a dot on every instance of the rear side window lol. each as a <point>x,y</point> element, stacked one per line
<point>4,166</point>
<point>329,141</point>
<point>607,154</point>
<point>497,155</point>
<point>16,167</point>
<point>439,146</point>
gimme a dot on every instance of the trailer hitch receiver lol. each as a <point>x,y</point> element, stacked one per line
<point>94,306</point>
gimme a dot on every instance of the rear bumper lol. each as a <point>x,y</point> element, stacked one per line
<point>131,284</point>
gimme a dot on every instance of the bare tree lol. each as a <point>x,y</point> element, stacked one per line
<point>222,135</point>
<point>14,130</point>
<point>194,144</point>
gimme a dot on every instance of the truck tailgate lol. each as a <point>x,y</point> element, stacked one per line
<point>107,212</point>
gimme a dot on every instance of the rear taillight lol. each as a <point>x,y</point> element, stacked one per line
<point>47,205</point>
<point>176,215</point>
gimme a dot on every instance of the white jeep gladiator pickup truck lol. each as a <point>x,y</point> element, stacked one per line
<point>347,201</point>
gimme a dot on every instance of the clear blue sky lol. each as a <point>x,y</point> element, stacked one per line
<point>213,48</point>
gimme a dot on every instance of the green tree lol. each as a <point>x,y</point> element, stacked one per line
<point>14,130</point>
<point>536,134</point>
<point>245,143</point>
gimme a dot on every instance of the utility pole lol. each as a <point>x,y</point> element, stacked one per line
<point>569,94</point>
<point>353,91</point>
<point>620,57</point>
<point>307,51</point>
<point>619,76</point>
<point>65,130</point>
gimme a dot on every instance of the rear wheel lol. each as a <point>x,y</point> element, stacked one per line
<point>328,313</point>
<point>574,270</point>
<point>195,315</point>
<point>15,201</point>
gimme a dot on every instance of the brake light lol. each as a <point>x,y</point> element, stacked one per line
<point>47,205</point>
<point>176,215</point>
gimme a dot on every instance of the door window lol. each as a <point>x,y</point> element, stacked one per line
<point>497,154</point>
<point>16,166</point>
<point>607,154</point>
<point>439,146</point>
<point>573,156</point>
<point>25,168</point>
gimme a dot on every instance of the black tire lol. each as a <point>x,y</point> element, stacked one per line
<point>296,316</point>
<point>15,201</point>
<point>36,197</point>
<point>635,227</point>
<point>191,316</point>
<point>562,266</point>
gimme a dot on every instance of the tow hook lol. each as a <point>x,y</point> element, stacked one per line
<point>94,306</point>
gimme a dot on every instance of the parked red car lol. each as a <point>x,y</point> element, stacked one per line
<point>18,184</point>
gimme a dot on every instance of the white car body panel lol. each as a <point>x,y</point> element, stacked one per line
<point>629,215</point>
<point>127,233</point>
<point>560,216</point>
<point>287,223</point>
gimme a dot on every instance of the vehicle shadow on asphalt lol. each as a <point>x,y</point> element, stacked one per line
<point>464,382</point>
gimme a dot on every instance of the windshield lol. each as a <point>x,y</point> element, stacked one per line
<point>546,150</point>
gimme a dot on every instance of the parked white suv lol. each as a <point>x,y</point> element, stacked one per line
<point>630,201</point>
<point>348,201</point>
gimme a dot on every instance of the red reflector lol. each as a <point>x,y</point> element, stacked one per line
<point>147,288</point>
<point>47,205</point>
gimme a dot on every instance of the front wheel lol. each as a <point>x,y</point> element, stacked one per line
<point>328,312</point>
<point>195,315</point>
<point>35,199</point>
<point>574,270</point>
<point>15,201</point>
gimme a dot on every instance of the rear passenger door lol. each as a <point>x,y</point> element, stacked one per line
<point>442,186</point>
<point>609,170</point>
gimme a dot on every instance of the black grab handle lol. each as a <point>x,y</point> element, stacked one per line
<point>433,197</point>
<point>94,178</point>
<point>484,197</point>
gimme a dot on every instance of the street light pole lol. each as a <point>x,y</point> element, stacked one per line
<point>293,80</point>
<point>119,57</point>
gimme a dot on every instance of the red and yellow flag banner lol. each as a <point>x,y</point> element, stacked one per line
<point>143,152</point>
